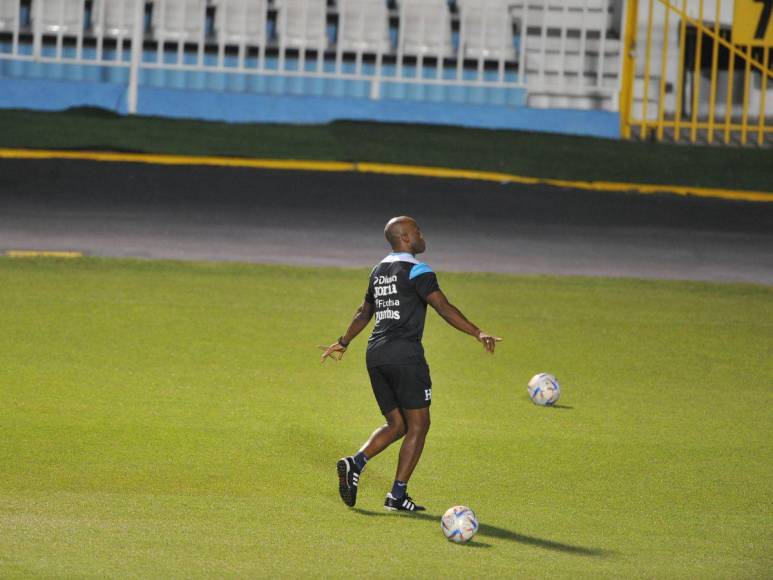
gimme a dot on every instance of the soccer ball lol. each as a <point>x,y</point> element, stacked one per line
<point>544,389</point>
<point>459,524</point>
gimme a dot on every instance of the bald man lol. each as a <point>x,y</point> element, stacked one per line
<point>399,290</point>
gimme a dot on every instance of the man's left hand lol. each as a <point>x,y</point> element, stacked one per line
<point>335,351</point>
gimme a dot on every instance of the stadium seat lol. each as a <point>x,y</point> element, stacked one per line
<point>240,21</point>
<point>486,29</point>
<point>179,19</point>
<point>363,26</point>
<point>302,24</point>
<point>9,10</point>
<point>425,28</point>
<point>557,14</point>
<point>57,16</point>
<point>570,52</point>
<point>113,17</point>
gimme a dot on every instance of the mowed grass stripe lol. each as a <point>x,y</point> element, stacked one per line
<point>388,169</point>
<point>172,419</point>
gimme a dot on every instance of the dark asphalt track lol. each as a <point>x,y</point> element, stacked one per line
<point>208,213</point>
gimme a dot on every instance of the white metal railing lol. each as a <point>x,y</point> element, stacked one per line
<point>551,48</point>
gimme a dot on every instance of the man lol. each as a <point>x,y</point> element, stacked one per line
<point>399,290</point>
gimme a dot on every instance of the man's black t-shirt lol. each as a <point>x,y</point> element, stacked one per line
<point>398,291</point>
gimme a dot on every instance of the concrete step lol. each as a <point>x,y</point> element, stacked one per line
<point>610,45</point>
<point>585,102</point>
<point>571,62</point>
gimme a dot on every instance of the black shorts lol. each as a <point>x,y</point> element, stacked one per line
<point>405,386</point>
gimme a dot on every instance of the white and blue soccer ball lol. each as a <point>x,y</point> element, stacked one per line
<point>459,524</point>
<point>544,389</point>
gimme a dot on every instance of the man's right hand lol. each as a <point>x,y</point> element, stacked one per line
<point>489,342</point>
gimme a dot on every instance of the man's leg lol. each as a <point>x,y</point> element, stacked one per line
<point>417,426</point>
<point>385,435</point>
<point>350,468</point>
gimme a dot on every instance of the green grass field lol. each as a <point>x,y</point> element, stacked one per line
<point>172,420</point>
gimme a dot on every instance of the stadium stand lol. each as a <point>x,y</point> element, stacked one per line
<point>62,17</point>
<point>113,18</point>
<point>302,24</point>
<point>487,29</point>
<point>425,28</point>
<point>9,12</point>
<point>363,26</point>
<point>541,53</point>
<point>179,20</point>
<point>572,52</point>
<point>240,22</point>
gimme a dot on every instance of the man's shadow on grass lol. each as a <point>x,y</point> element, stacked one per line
<point>502,533</point>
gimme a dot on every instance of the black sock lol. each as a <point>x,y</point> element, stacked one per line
<point>399,489</point>
<point>360,460</point>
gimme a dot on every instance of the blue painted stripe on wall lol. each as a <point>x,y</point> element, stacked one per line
<point>49,95</point>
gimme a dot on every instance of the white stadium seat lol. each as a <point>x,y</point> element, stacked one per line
<point>240,21</point>
<point>302,24</point>
<point>576,14</point>
<point>113,17</point>
<point>363,26</point>
<point>57,16</point>
<point>9,10</point>
<point>179,19</point>
<point>425,28</point>
<point>486,29</point>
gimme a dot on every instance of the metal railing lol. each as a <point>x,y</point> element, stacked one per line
<point>546,47</point>
<point>698,71</point>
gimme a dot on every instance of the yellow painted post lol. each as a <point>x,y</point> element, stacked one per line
<point>680,74</point>
<point>714,67</point>
<point>647,50</point>
<point>763,94</point>
<point>745,114</point>
<point>729,100</point>
<point>663,61</point>
<point>696,85</point>
<point>629,68</point>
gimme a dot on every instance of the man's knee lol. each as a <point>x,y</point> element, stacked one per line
<point>424,425</point>
<point>418,424</point>
<point>396,424</point>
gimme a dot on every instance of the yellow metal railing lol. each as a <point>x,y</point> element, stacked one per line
<point>679,118</point>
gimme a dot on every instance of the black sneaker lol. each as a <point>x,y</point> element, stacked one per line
<point>348,478</point>
<point>403,504</point>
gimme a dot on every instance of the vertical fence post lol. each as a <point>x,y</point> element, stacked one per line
<point>136,55</point>
<point>714,71</point>
<point>647,52</point>
<point>763,94</point>
<point>745,110</point>
<point>696,76</point>
<point>663,72</point>
<point>629,66</point>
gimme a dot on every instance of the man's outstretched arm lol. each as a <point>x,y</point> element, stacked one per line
<point>453,316</point>
<point>361,319</point>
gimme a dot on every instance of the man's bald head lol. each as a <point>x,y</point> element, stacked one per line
<point>403,234</point>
